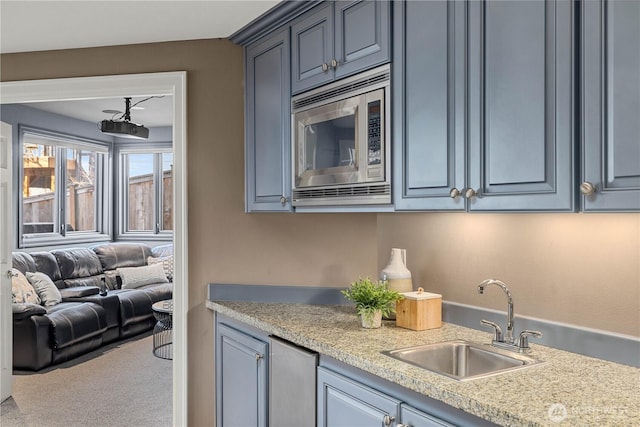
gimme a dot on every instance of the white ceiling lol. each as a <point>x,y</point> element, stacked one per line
<point>27,26</point>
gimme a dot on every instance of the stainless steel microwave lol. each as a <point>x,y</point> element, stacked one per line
<point>340,142</point>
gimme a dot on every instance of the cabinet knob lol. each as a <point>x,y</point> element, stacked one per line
<point>587,188</point>
<point>388,420</point>
<point>454,193</point>
<point>259,356</point>
<point>334,63</point>
<point>470,193</point>
<point>283,200</point>
<point>325,67</point>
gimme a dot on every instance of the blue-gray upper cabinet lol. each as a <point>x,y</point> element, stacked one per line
<point>267,125</point>
<point>241,378</point>
<point>611,106</point>
<point>520,106</point>
<point>337,39</point>
<point>429,105</point>
<point>344,402</point>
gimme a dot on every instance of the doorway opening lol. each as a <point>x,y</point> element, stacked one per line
<point>172,84</point>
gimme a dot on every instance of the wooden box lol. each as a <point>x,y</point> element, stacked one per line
<point>419,311</point>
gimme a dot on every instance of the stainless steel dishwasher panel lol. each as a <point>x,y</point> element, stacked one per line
<point>292,385</point>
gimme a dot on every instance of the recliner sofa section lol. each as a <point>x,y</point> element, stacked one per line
<point>136,315</point>
<point>84,320</point>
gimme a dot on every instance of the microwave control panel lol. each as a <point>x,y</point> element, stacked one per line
<point>374,131</point>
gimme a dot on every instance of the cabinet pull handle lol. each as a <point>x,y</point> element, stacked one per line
<point>388,420</point>
<point>454,193</point>
<point>325,67</point>
<point>587,188</point>
<point>470,193</point>
<point>334,63</point>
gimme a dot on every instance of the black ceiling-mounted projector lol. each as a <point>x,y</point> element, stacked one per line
<point>124,128</point>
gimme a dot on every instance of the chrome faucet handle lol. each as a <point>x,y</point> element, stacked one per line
<point>523,344</point>
<point>497,329</point>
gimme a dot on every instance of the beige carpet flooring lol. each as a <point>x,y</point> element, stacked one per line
<point>121,384</point>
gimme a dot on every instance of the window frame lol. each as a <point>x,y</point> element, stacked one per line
<point>61,236</point>
<point>158,149</point>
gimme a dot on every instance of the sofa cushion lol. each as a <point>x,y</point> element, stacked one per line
<point>134,277</point>
<point>159,291</point>
<point>23,262</point>
<point>73,322</point>
<point>79,267</point>
<point>162,250</point>
<point>167,264</point>
<point>46,290</point>
<point>46,263</point>
<point>21,290</point>
<point>118,255</point>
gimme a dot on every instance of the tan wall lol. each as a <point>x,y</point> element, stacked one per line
<point>225,244</point>
<point>582,269</point>
<point>576,268</point>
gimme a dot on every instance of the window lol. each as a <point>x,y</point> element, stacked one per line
<point>63,193</point>
<point>146,184</point>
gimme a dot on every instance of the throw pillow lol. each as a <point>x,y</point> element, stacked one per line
<point>167,264</point>
<point>134,277</point>
<point>45,288</point>
<point>21,289</point>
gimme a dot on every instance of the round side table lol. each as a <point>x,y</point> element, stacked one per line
<point>162,341</point>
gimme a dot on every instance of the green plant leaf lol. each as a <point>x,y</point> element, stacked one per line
<point>370,296</point>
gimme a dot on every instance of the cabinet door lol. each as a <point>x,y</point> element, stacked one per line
<point>362,31</point>
<point>411,417</point>
<point>241,379</point>
<point>521,79</point>
<point>312,47</point>
<point>611,105</point>
<point>429,105</point>
<point>267,127</point>
<point>344,402</point>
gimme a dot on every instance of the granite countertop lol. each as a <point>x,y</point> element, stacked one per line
<point>569,389</point>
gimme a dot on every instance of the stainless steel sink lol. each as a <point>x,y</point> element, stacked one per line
<point>462,360</point>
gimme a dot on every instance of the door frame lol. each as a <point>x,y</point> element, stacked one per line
<point>136,85</point>
<point>6,222</point>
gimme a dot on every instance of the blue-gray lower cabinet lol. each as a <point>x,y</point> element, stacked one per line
<point>343,402</point>
<point>267,124</point>
<point>412,417</point>
<point>241,378</point>
<point>610,106</point>
<point>521,65</point>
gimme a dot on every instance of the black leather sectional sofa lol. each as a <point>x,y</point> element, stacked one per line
<point>84,320</point>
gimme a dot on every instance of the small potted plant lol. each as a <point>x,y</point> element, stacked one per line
<point>373,299</point>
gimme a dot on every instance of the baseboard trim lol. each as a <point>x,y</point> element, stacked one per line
<point>624,349</point>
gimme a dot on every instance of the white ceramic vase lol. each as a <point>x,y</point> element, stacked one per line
<point>396,272</point>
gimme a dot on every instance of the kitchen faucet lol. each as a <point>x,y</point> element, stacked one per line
<point>507,341</point>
